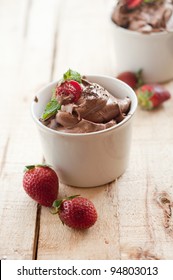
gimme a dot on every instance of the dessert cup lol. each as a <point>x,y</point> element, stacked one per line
<point>87,159</point>
<point>153,53</point>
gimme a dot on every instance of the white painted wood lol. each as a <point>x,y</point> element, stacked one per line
<point>39,41</point>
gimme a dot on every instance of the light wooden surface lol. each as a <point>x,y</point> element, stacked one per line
<point>39,40</point>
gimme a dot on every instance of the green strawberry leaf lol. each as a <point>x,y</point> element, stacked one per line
<point>72,75</point>
<point>71,197</point>
<point>140,81</point>
<point>57,203</point>
<point>51,109</point>
<point>29,167</point>
<point>144,99</point>
<point>149,1</point>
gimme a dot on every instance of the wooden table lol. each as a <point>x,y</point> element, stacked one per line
<point>40,40</point>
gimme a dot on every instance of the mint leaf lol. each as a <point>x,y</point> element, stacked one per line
<point>149,1</point>
<point>72,75</point>
<point>51,109</point>
<point>53,93</point>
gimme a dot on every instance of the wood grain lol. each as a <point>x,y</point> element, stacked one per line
<point>39,41</point>
<point>28,68</point>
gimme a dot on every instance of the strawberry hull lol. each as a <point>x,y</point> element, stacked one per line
<point>151,96</point>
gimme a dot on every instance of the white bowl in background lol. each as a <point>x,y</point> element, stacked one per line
<point>153,53</point>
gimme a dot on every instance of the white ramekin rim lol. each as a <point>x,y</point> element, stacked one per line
<point>160,34</point>
<point>134,103</point>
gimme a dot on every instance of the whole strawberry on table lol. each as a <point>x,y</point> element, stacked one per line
<point>41,183</point>
<point>133,79</point>
<point>151,96</point>
<point>76,212</point>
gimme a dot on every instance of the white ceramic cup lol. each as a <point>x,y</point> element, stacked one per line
<point>87,159</point>
<point>153,53</point>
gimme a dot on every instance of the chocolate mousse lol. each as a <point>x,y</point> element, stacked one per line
<point>145,16</point>
<point>79,106</point>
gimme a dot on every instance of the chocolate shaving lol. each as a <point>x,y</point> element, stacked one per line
<point>36,99</point>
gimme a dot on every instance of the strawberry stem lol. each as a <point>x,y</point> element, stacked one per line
<point>57,203</point>
<point>30,167</point>
<point>54,210</point>
<point>71,197</point>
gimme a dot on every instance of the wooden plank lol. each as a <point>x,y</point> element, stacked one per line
<point>30,68</point>
<point>78,47</point>
<point>85,41</point>
<point>131,228</point>
<point>57,241</point>
<point>40,40</point>
<point>11,210</point>
<point>143,232</point>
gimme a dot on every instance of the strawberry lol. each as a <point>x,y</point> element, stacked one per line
<point>132,4</point>
<point>41,183</point>
<point>151,96</point>
<point>133,79</point>
<point>76,212</point>
<point>69,87</point>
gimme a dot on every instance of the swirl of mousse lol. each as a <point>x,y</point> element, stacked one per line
<point>94,109</point>
<point>145,16</point>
